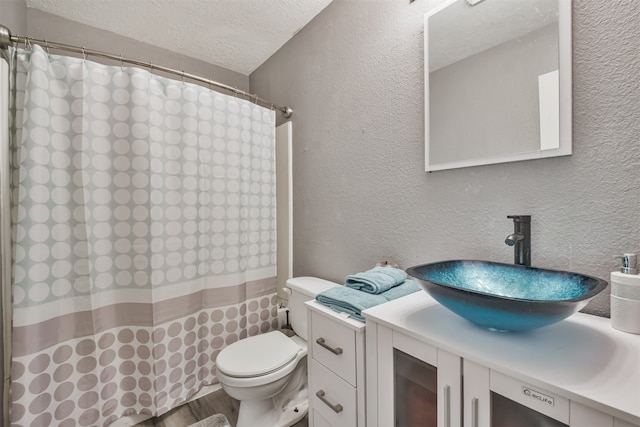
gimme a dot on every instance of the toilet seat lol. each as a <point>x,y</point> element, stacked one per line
<point>257,356</point>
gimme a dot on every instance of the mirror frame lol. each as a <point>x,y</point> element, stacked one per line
<point>565,95</point>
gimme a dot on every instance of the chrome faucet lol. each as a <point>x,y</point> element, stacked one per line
<point>520,239</point>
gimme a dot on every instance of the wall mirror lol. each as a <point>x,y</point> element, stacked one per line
<point>497,82</point>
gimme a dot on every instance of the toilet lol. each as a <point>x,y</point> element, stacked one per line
<point>267,373</point>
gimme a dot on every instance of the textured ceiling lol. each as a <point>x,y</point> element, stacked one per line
<point>235,34</point>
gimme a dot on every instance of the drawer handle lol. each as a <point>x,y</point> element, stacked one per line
<point>337,351</point>
<point>336,408</point>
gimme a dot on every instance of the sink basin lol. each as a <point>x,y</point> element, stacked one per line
<point>506,297</point>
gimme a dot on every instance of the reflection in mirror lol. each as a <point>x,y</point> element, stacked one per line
<point>497,82</point>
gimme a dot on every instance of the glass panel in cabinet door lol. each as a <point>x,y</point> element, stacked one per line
<point>415,391</point>
<point>507,413</point>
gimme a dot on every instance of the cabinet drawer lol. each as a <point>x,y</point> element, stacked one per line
<point>333,391</point>
<point>334,345</point>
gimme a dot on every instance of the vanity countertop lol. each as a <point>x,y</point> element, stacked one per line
<point>582,358</point>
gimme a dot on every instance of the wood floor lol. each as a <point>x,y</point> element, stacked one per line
<point>217,402</point>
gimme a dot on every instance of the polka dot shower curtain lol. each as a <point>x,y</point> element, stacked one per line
<point>144,237</point>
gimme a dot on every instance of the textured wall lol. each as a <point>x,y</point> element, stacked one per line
<point>354,77</point>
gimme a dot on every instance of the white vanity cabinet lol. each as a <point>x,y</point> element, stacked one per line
<point>336,362</point>
<point>428,367</point>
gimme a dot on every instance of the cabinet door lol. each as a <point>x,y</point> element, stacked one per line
<point>449,389</point>
<point>516,402</point>
<point>426,384</point>
<point>415,391</point>
<point>476,405</point>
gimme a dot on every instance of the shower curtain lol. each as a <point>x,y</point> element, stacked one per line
<point>144,237</point>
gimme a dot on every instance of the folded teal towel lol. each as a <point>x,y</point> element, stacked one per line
<point>376,280</point>
<point>351,301</point>
<point>408,287</point>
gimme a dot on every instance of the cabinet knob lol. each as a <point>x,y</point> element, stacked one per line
<point>337,408</point>
<point>337,351</point>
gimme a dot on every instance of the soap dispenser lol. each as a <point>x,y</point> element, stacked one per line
<point>625,295</point>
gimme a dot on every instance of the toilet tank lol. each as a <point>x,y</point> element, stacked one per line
<point>302,289</point>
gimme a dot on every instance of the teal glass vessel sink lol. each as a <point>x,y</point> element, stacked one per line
<point>506,297</point>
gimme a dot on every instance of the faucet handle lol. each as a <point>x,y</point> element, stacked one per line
<point>520,218</point>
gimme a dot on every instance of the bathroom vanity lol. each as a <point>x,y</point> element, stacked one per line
<point>427,366</point>
<point>336,368</point>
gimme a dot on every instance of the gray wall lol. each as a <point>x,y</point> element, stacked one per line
<point>13,14</point>
<point>354,77</point>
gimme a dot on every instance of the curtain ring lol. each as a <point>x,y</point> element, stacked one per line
<point>46,44</point>
<point>255,99</point>
<point>272,107</point>
<point>182,76</point>
<point>235,91</point>
<point>84,54</point>
<point>121,64</point>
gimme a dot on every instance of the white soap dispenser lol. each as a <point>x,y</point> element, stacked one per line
<point>625,295</point>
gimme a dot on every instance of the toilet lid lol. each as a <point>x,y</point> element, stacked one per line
<point>257,355</point>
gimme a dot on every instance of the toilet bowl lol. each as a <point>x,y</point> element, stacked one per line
<point>267,373</point>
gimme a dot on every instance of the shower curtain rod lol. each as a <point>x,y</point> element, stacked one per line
<point>6,38</point>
